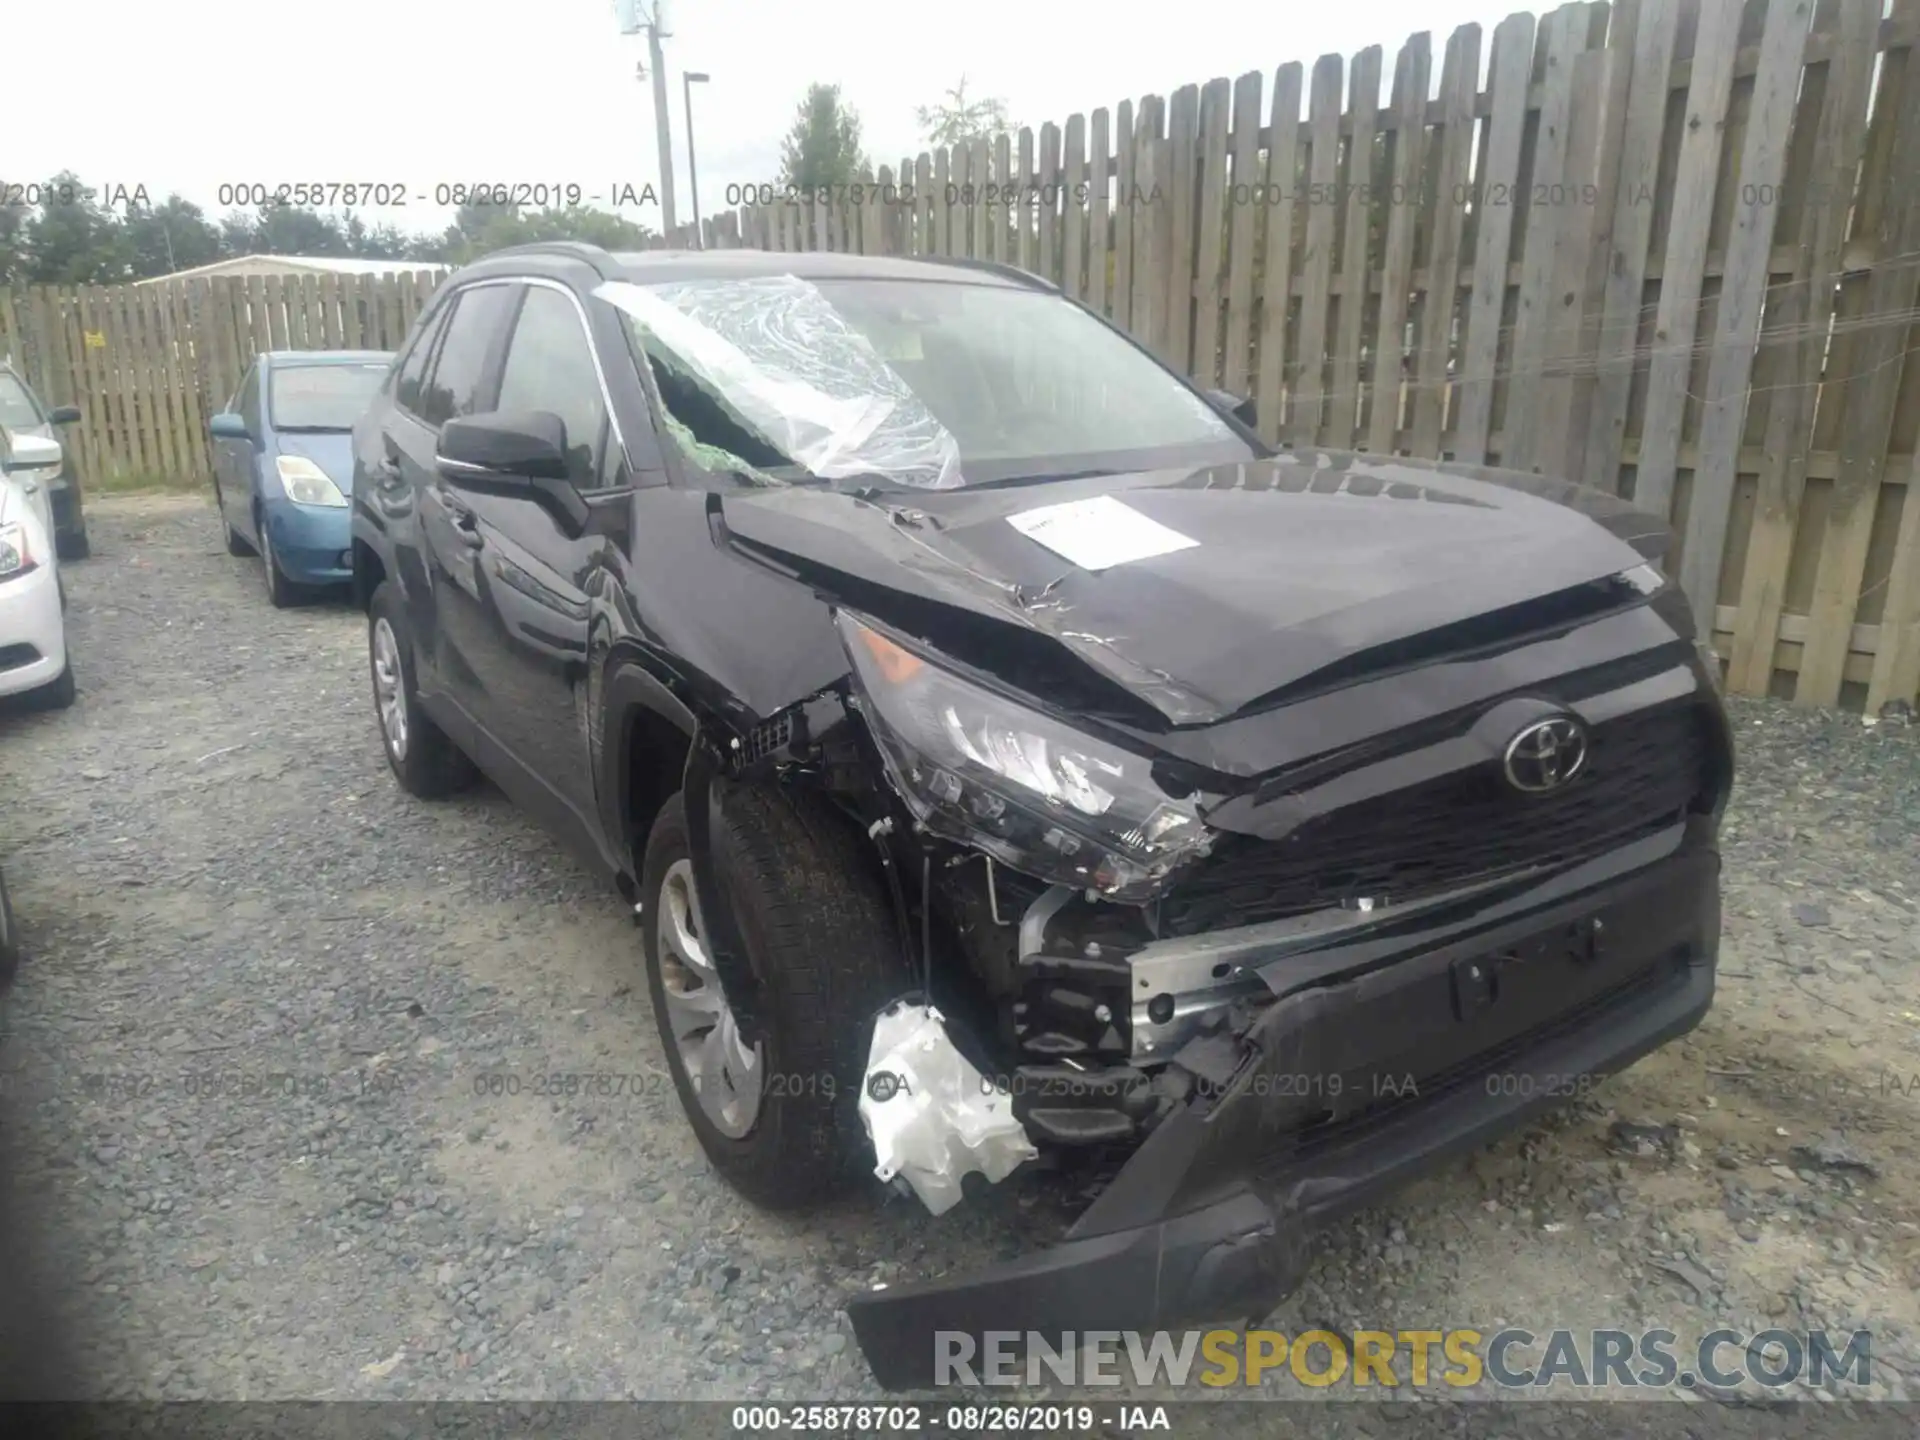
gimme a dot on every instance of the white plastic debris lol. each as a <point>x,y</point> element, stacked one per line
<point>931,1115</point>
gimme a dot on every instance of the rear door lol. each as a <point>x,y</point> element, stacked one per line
<point>383,488</point>
<point>459,379</point>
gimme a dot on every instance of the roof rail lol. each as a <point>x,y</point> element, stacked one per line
<point>997,267</point>
<point>576,249</point>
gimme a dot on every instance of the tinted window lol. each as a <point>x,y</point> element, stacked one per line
<point>413,370</point>
<point>322,397</point>
<point>453,387</point>
<point>17,410</point>
<point>550,367</point>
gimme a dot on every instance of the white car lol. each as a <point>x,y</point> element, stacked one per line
<point>33,626</point>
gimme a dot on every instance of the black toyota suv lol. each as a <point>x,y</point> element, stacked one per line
<point>917,653</point>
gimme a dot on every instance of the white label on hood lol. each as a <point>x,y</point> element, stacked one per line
<point>1098,533</point>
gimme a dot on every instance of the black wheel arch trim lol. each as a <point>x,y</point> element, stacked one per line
<point>631,688</point>
<point>635,687</point>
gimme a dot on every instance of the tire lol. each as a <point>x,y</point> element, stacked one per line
<point>282,592</point>
<point>820,938</point>
<point>9,938</point>
<point>424,760</point>
<point>73,546</point>
<point>236,546</point>
<point>59,693</point>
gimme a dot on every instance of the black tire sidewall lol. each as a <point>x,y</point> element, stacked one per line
<point>280,590</point>
<point>822,943</point>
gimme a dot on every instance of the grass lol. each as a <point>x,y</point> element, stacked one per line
<point>142,482</point>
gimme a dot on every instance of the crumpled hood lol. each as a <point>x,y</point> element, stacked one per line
<point>331,451</point>
<point>1297,562</point>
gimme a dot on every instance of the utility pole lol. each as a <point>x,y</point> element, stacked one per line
<point>661,123</point>
<point>633,19</point>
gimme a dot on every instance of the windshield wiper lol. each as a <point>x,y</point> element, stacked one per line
<point>314,429</point>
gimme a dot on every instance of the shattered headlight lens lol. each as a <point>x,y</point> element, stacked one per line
<point>1023,787</point>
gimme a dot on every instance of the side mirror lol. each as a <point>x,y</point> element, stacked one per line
<point>64,415</point>
<point>228,426</point>
<point>1228,403</point>
<point>522,454</point>
<point>32,452</point>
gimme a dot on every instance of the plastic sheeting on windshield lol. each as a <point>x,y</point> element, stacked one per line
<point>778,353</point>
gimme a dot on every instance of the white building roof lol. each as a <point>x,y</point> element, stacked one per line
<point>297,265</point>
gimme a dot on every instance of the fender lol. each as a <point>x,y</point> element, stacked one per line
<point>629,688</point>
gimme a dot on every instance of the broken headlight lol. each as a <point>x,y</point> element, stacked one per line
<point>1027,789</point>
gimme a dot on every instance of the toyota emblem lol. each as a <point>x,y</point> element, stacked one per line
<point>1546,755</point>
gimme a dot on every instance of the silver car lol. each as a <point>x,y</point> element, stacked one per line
<point>22,413</point>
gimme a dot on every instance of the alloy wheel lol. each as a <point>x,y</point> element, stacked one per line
<point>727,1076</point>
<point>389,691</point>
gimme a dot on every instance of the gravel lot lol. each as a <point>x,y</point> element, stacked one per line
<point>271,1071</point>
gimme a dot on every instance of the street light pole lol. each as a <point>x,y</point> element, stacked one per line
<point>689,79</point>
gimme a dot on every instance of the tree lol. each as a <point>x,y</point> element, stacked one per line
<point>15,259</point>
<point>74,239</point>
<point>73,235</point>
<point>173,235</point>
<point>384,242</point>
<point>957,118</point>
<point>480,230</point>
<point>292,230</point>
<point>823,147</point>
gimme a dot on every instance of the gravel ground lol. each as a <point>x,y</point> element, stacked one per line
<point>272,1073</point>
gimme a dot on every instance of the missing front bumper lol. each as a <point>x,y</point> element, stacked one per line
<point>1212,1218</point>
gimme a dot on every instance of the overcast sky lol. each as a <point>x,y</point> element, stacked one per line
<point>193,94</point>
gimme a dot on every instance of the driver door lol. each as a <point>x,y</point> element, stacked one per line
<point>529,646</point>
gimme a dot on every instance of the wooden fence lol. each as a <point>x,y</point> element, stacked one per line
<point>1670,248</point>
<point>150,364</point>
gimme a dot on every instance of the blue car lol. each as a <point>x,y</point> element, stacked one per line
<point>283,464</point>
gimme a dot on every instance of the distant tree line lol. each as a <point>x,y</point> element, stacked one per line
<point>76,234</point>
<point>63,231</point>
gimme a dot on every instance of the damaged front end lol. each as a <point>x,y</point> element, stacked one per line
<point>1245,1008</point>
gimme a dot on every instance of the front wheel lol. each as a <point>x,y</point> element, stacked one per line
<point>282,592</point>
<point>236,543</point>
<point>58,693</point>
<point>779,1116</point>
<point>422,757</point>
